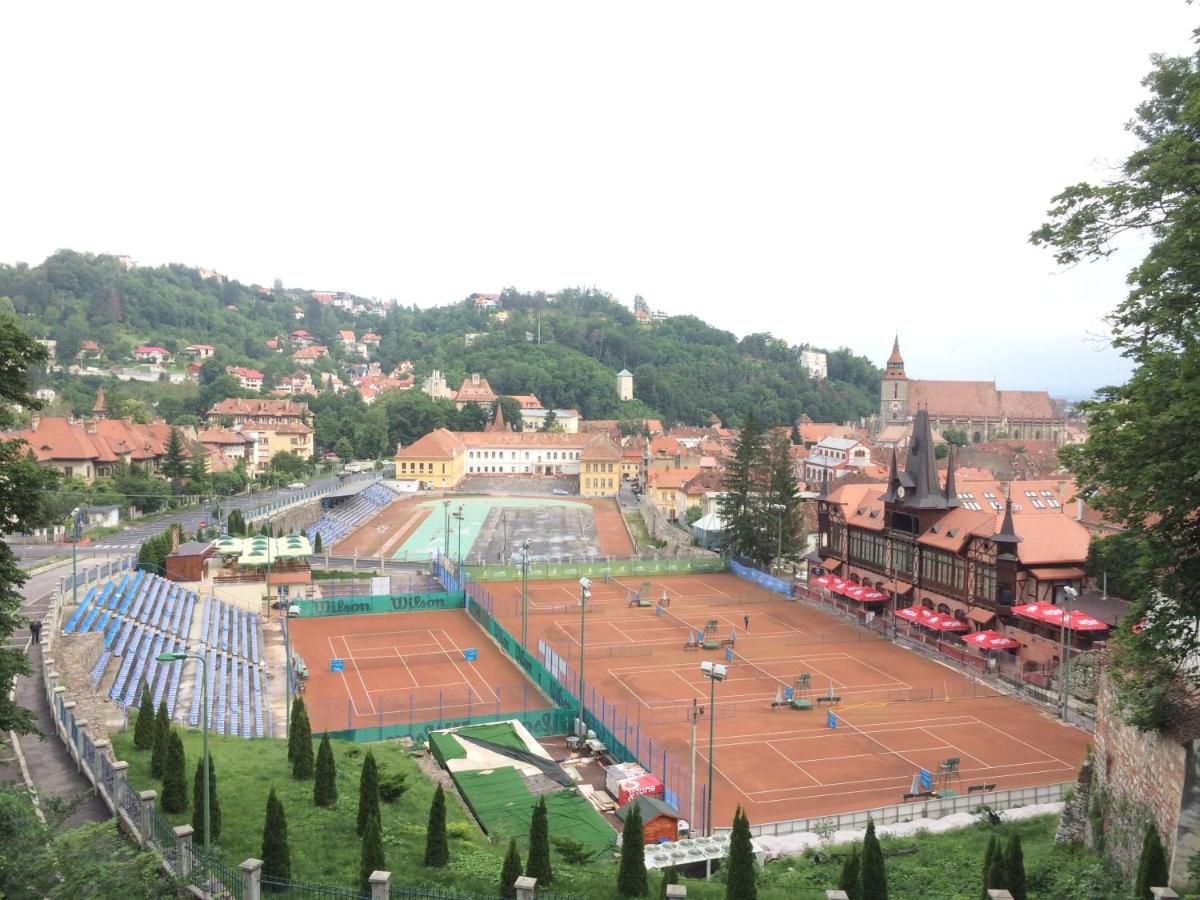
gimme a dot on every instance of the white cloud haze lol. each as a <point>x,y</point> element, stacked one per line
<point>828,172</point>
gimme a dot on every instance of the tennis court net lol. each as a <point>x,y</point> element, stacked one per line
<point>868,740</point>
<point>384,660</point>
<point>691,630</point>
<point>774,682</point>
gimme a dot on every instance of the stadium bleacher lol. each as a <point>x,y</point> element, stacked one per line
<point>336,523</point>
<point>142,615</point>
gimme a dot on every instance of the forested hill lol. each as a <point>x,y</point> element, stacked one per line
<point>684,369</point>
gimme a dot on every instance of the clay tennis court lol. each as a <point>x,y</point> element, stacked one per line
<point>405,667</point>
<point>385,531</point>
<point>898,712</point>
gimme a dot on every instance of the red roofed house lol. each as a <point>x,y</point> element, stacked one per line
<point>301,337</point>
<point>306,356</point>
<point>960,551</point>
<point>249,379</point>
<point>151,354</point>
<point>475,390</point>
<point>200,351</point>
<point>371,339</point>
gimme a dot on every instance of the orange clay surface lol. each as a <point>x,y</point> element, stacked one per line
<point>405,667</point>
<point>780,763</point>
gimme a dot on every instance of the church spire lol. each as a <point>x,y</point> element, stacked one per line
<point>920,469</point>
<point>951,491</point>
<point>1006,539</point>
<point>498,424</point>
<point>894,370</point>
<point>896,358</point>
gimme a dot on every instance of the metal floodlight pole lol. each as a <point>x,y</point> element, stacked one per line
<point>446,515</point>
<point>714,672</point>
<point>697,711</point>
<point>173,657</point>
<point>1064,671</point>
<point>74,547</point>
<point>585,591</point>
<point>458,565</point>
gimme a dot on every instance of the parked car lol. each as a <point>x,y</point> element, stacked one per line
<point>561,492</point>
<point>297,486</point>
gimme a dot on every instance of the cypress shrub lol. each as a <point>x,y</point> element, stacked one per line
<point>236,523</point>
<point>368,794</point>
<point>669,876</point>
<point>372,855</point>
<point>174,793</point>
<point>631,877</point>
<point>511,871</point>
<point>293,720</point>
<point>1015,868</point>
<point>1152,865</point>
<point>143,731</point>
<point>437,850</point>
<point>538,863</point>
<point>740,881</point>
<point>874,877</point>
<point>214,808</point>
<point>317,545</point>
<point>276,856</point>
<point>850,880</point>
<point>302,762</point>
<point>325,787</point>
<point>162,733</point>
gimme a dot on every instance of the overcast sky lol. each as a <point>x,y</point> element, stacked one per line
<point>830,172</point>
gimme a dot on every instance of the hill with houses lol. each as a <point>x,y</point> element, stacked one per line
<point>171,340</point>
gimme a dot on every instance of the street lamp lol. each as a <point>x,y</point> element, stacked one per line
<point>585,591</point>
<point>446,515</point>
<point>1064,664</point>
<point>714,672</point>
<point>76,525</point>
<point>175,657</point>
<point>697,712</point>
<point>525,593</point>
<point>458,516</point>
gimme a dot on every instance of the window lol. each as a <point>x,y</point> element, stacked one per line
<point>988,495</point>
<point>985,583</point>
<point>943,567</point>
<point>996,505</point>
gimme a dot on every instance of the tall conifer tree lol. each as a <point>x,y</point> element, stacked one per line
<point>437,848</point>
<point>631,877</point>
<point>368,794</point>
<point>276,854</point>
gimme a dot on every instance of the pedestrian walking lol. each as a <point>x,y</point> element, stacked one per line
<point>35,630</point>
<point>746,621</point>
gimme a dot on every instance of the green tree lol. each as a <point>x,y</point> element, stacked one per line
<point>985,873</point>
<point>670,875</point>
<point>1014,863</point>
<point>143,730</point>
<point>537,864</point>
<point>325,785</point>
<point>692,514</point>
<point>50,860</point>
<point>996,877</point>
<point>197,469</point>
<point>276,855</point>
<point>874,877</point>
<point>795,435</point>
<point>317,546</point>
<point>302,758</point>
<point>437,848</point>
<point>550,422</point>
<point>741,506</point>
<point>511,408</point>
<point>955,436</point>
<point>214,806</point>
<point>174,782</point>
<point>162,737</point>
<point>510,871</point>
<point>236,523</point>
<point>173,466</point>
<point>740,879</point>
<point>22,484</point>
<point>1121,469</point>
<point>631,876</point>
<point>343,449</point>
<point>368,794</point>
<point>372,859</point>
<point>1152,865</point>
<point>850,880</point>
<point>786,509</point>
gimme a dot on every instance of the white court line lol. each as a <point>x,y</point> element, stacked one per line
<point>459,650</point>
<point>957,749</point>
<point>815,782</point>
<point>411,675</point>
<point>345,685</point>
<point>454,662</point>
<point>1026,743</point>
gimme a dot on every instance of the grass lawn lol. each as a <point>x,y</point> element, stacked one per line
<point>326,850</point>
<point>637,528</point>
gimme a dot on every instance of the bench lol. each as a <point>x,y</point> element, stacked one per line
<point>691,645</point>
<point>826,699</point>
<point>710,645</point>
<point>727,642</point>
<point>920,795</point>
<point>973,788</point>
<point>801,703</point>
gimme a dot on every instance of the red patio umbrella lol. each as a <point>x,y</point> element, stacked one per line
<point>990,640</point>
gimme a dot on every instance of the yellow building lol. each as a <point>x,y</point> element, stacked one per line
<point>438,459</point>
<point>666,490</point>
<point>600,468</point>
<point>274,438</point>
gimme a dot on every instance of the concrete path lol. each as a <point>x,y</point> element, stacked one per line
<point>47,760</point>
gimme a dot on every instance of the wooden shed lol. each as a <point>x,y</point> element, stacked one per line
<point>186,562</point>
<point>659,821</point>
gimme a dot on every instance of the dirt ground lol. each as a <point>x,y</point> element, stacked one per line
<point>385,531</point>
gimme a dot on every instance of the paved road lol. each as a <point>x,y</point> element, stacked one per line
<point>49,764</point>
<point>129,540</point>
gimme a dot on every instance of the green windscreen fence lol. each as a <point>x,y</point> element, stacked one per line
<point>615,568</point>
<point>540,722</point>
<point>503,805</point>
<point>380,603</point>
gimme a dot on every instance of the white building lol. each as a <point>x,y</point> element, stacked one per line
<point>624,385</point>
<point>835,457</point>
<point>815,363</point>
<point>435,386</point>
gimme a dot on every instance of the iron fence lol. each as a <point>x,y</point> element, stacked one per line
<point>211,876</point>
<point>293,890</point>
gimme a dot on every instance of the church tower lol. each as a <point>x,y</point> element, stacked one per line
<point>893,390</point>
